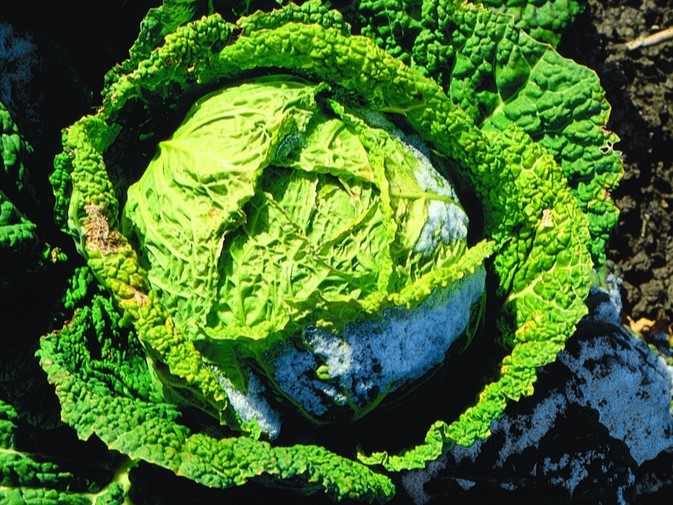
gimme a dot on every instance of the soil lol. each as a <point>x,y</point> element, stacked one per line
<point>639,86</point>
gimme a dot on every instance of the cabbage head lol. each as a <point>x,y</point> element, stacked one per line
<point>275,212</point>
<point>328,252</point>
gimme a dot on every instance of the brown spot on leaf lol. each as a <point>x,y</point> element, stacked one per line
<point>98,233</point>
<point>139,298</point>
<point>547,221</point>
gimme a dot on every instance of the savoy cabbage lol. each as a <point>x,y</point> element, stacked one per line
<point>296,216</point>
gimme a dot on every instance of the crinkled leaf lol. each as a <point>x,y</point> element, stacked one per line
<point>544,20</point>
<point>529,210</point>
<point>36,479</point>
<point>17,232</point>
<point>542,303</point>
<point>501,76</point>
<point>105,387</point>
<point>13,150</point>
<point>323,238</point>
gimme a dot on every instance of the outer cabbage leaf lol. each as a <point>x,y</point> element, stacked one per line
<point>553,259</point>
<point>394,24</point>
<point>32,479</point>
<point>18,234</point>
<point>157,23</point>
<point>31,273</point>
<point>105,386</point>
<point>23,254</point>
<point>500,75</point>
<point>544,20</point>
<point>13,173</point>
<point>542,259</point>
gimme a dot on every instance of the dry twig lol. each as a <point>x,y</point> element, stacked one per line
<point>650,40</point>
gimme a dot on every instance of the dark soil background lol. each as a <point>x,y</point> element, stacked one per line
<point>639,86</point>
